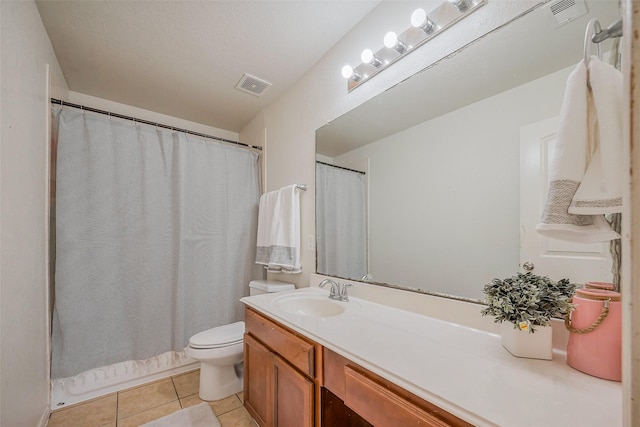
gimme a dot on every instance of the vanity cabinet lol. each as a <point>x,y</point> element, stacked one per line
<point>291,381</point>
<point>280,378</point>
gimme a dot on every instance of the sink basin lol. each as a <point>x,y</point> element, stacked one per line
<point>318,306</point>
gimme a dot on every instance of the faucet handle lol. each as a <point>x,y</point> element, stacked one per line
<point>335,289</point>
<point>343,291</point>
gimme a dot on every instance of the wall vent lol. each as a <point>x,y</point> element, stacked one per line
<point>253,85</point>
<point>564,11</point>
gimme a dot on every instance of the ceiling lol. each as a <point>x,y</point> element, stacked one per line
<point>184,58</point>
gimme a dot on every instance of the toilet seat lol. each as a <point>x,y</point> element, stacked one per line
<point>222,336</point>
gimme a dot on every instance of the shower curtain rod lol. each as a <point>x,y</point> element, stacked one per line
<point>135,119</point>
<point>340,167</point>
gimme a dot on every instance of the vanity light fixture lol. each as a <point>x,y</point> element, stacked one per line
<point>424,26</point>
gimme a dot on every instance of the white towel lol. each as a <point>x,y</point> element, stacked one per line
<point>278,242</point>
<point>600,191</point>
<point>586,173</point>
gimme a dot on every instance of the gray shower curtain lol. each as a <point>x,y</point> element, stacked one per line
<point>155,239</point>
<point>341,222</point>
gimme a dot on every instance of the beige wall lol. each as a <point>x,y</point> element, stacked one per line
<point>24,325</point>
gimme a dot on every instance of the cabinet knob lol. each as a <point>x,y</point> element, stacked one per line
<point>528,266</point>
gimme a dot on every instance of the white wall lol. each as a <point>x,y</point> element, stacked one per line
<point>321,95</point>
<point>24,159</point>
<point>473,153</point>
<point>255,133</point>
<point>152,116</point>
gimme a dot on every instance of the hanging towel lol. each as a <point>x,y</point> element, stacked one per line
<point>600,191</point>
<point>279,231</point>
<point>585,177</point>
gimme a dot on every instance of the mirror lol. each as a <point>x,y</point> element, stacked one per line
<point>438,157</point>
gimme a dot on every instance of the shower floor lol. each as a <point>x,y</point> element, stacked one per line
<point>139,405</point>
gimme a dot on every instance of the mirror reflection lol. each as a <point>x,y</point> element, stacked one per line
<point>419,187</point>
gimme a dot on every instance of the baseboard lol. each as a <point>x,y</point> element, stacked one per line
<point>44,419</point>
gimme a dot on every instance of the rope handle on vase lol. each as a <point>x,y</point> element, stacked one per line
<point>603,315</point>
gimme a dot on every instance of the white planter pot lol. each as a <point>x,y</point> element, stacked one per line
<point>537,345</point>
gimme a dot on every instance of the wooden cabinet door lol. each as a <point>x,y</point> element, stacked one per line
<point>259,375</point>
<point>294,397</point>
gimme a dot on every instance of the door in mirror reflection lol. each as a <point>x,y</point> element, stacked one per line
<point>580,262</point>
<point>341,221</point>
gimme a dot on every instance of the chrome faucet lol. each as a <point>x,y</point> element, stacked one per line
<point>334,293</point>
<point>338,291</point>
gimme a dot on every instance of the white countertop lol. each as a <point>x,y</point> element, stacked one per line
<point>465,371</point>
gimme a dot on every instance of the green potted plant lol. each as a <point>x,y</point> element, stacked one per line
<point>524,304</point>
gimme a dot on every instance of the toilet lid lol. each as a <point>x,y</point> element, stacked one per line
<point>218,337</point>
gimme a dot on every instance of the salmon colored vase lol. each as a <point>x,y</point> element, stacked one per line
<point>595,339</point>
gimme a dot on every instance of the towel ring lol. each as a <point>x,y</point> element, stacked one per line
<point>595,24</point>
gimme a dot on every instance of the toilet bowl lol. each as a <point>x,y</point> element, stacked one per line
<point>220,350</point>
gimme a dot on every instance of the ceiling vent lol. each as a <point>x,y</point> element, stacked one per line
<point>253,85</point>
<point>564,11</point>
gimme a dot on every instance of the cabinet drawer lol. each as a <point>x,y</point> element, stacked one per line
<point>367,393</point>
<point>297,351</point>
<point>382,407</point>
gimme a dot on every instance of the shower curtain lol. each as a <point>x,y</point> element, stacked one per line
<point>155,239</point>
<point>341,223</point>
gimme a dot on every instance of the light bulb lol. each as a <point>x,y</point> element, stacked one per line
<point>420,20</point>
<point>347,71</point>
<point>366,56</point>
<point>461,5</point>
<point>418,17</point>
<point>391,40</point>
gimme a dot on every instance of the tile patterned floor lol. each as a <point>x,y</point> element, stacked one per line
<point>139,405</point>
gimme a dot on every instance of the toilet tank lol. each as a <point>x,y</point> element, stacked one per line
<point>257,287</point>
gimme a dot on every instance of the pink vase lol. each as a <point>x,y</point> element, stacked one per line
<point>598,352</point>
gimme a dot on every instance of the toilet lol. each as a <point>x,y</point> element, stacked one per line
<point>219,350</point>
